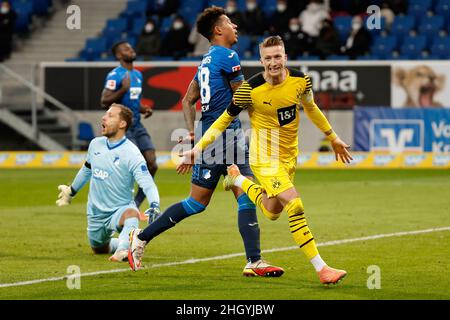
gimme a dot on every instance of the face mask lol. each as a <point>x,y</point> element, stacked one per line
<point>231,9</point>
<point>294,27</point>
<point>178,25</point>
<point>149,27</point>
<point>251,6</point>
<point>281,7</point>
<point>4,9</point>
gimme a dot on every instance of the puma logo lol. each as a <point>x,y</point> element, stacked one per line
<point>269,103</point>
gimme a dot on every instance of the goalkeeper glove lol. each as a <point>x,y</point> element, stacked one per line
<point>153,213</point>
<point>65,196</point>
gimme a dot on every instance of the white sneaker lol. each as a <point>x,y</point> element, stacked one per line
<point>136,250</point>
<point>119,256</point>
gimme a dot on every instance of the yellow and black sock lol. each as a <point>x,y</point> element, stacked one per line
<point>299,228</point>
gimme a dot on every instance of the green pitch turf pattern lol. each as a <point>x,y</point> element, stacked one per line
<point>39,241</point>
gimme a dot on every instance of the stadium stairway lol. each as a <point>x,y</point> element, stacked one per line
<point>53,42</point>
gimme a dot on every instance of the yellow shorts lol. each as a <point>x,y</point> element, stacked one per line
<point>275,178</point>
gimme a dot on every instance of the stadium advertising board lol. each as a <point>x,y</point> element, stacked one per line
<point>402,130</point>
<point>420,84</point>
<point>336,86</point>
<point>313,160</point>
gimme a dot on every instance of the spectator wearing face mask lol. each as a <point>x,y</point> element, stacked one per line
<point>176,42</point>
<point>296,41</point>
<point>7,23</point>
<point>312,17</point>
<point>358,42</point>
<point>280,19</point>
<point>234,14</point>
<point>254,19</point>
<point>328,41</point>
<point>149,43</point>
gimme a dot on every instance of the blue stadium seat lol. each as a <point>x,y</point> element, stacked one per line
<point>308,58</point>
<point>441,47</point>
<point>269,7</point>
<point>138,26</point>
<point>368,57</point>
<point>243,45</point>
<point>218,3</point>
<point>413,46</point>
<point>443,9</point>
<point>85,131</point>
<point>24,11</point>
<point>113,30</point>
<point>402,25</point>
<point>166,23</point>
<point>343,25</point>
<point>189,14</point>
<point>94,48</point>
<point>384,45</point>
<point>135,9</point>
<point>41,7</point>
<point>430,25</point>
<point>419,8</point>
<point>337,57</point>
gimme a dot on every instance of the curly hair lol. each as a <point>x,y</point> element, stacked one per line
<point>208,20</point>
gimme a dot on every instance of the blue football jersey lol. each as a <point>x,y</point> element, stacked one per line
<point>132,98</point>
<point>219,67</point>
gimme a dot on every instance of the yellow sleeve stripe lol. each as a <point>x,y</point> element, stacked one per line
<point>308,83</point>
<point>243,96</point>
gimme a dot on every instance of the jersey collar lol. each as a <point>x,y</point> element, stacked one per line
<point>114,145</point>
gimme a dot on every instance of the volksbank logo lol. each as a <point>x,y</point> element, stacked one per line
<point>396,135</point>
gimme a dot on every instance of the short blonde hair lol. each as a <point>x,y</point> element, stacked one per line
<point>271,41</point>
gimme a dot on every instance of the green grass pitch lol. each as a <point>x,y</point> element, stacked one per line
<point>39,241</point>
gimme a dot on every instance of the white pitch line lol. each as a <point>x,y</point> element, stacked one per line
<point>228,256</point>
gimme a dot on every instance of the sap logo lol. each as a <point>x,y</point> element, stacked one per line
<point>396,135</point>
<point>414,159</point>
<point>22,159</point>
<point>100,174</point>
<point>77,158</point>
<point>3,157</point>
<point>303,158</point>
<point>51,158</point>
<point>441,160</point>
<point>358,158</point>
<point>382,160</point>
<point>325,159</point>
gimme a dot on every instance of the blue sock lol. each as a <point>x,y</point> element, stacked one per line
<point>113,243</point>
<point>128,225</point>
<point>170,217</point>
<point>139,197</point>
<point>249,227</point>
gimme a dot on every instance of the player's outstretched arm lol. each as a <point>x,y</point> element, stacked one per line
<point>340,149</point>
<point>68,192</point>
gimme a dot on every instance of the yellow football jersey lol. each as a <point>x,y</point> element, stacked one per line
<point>274,115</point>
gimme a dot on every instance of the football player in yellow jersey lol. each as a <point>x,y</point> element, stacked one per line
<point>273,99</point>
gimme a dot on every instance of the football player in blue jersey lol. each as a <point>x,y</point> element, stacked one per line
<point>124,85</point>
<point>113,164</point>
<point>218,76</point>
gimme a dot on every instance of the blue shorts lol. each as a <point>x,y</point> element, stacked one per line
<point>140,137</point>
<point>102,225</point>
<point>208,175</point>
